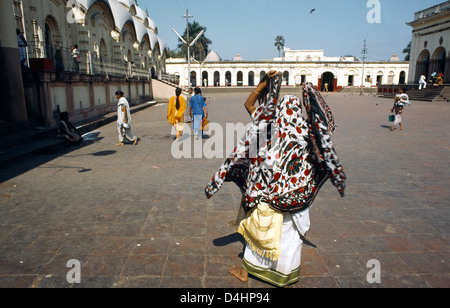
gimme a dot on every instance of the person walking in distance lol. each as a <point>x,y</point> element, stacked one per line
<point>175,112</point>
<point>197,112</point>
<point>401,100</point>
<point>124,120</point>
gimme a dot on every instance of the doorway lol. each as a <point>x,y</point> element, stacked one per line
<point>327,81</point>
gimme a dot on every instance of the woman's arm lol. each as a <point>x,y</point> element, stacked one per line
<point>169,108</point>
<point>124,111</point>
<point>251,100</point>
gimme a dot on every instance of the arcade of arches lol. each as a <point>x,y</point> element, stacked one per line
<point>437,62</point>
<point>248,74</point>
<point>119,49</point>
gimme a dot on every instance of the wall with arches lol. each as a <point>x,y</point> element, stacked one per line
<point>430,43</point>
<point>119,46</point>
<point>106,31</point>
<point>249,73</point>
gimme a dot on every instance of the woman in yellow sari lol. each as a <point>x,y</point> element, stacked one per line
<point>175,113</point>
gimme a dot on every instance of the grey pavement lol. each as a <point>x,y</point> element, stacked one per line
<point>138,217</point>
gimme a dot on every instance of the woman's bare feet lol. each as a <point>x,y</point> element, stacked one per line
<point>239,273</point>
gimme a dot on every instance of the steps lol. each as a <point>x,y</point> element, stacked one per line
<point>444,96</point>
<point>426,95</point>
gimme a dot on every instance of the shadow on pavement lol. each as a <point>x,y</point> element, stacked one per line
<point>26,164</point>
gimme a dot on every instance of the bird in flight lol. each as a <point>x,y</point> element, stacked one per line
<point>312,11</point>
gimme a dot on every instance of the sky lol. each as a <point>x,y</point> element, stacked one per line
<point>249,27</point>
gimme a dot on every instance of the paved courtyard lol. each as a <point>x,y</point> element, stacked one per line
<point>138,217</point>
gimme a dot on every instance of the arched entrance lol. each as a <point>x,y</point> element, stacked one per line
<point>286,78</point>
<point>423,65</point>
<point>193,79</point>
<point>52,41</point>
<point>48,42</point>
<point>380,78</point>
<point>447,70</point>
<point>251,79</point>
<point>240,79</point>
<point>228,79</point>
<point>104,57</point>
<point>216,79</point>
<point>205,79</point>
<point>351,78</point>
<point>438,61</point>
<point>402,79</point>
<point>327,81</point>
<point>261,75</point>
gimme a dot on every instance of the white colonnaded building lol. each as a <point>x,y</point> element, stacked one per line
<point>297,67</point>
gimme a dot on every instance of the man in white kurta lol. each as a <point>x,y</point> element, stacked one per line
<point>422,82</point>
<point>124,120</point>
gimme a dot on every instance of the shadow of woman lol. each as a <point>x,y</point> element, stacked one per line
<point>229,239</point>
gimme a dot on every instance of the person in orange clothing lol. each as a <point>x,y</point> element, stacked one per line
<point>175,112</point>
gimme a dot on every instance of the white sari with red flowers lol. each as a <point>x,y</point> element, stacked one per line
<point>284,159</point>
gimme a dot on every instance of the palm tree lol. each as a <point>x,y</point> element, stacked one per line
<point>200,49</point>
<point>279,44</point>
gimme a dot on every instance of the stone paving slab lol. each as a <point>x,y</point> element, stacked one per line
<point>138,217</point>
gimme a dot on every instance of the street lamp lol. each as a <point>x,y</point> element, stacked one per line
<point>364,53</point>
<point>189,45</point>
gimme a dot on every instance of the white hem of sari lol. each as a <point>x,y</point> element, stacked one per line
<point>285,270</point>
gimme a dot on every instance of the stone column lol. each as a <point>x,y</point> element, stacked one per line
<point>45,99</point>
<point>447,71</point>
<point>12,105</point>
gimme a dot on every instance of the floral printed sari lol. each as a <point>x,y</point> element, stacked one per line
<point>284,159</point>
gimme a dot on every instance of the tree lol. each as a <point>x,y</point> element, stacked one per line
<point>407,51</point>
<point>279,44</point>
<point>200,49</point>
<point>174,53</point>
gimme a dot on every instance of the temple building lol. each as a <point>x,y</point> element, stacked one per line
<point>118,49</point>
<point>430,43</point>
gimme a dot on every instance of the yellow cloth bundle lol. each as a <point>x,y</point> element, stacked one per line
<point>262,230</point>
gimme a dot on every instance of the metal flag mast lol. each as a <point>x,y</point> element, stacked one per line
<point>189,44</point>
<point>364,53</point>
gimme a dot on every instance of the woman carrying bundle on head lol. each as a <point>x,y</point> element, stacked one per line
<point>175,113</point>
<point>280,165</point>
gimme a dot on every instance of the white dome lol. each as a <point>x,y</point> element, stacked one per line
<point>212,57</point>
<point>148,22</point>
<point>141,30</point>
<point>394,58</point>
<point>238,58</point>
<point>120,14</point>
<point>127,3</point>
<point>140,13</point>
